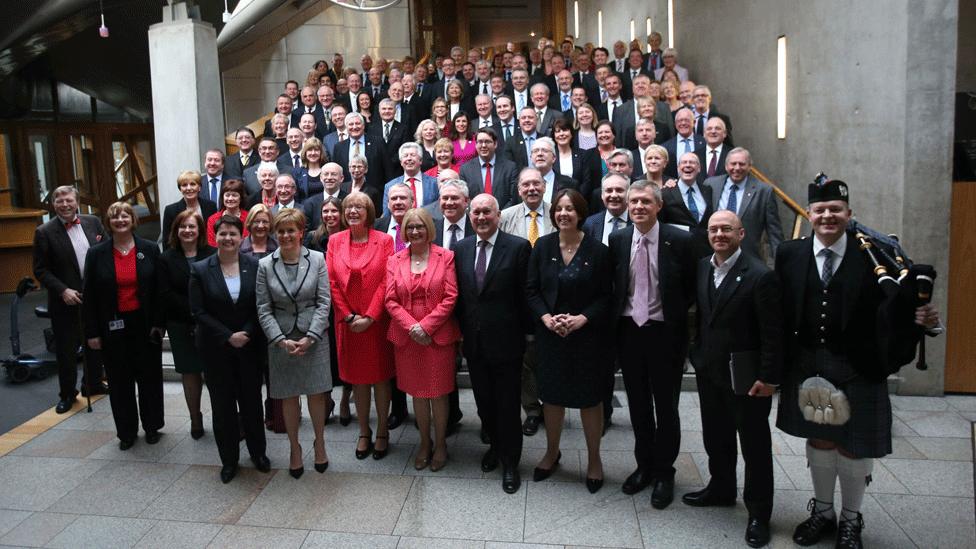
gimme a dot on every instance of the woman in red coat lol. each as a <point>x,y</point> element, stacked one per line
<point>357,272</point>
<point>421,290</point>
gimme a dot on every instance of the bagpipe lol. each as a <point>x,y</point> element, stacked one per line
<point>906,286</point>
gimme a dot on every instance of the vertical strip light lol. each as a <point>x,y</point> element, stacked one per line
<point>647,23</point>
<point>599,27</point>
<point>670,23</point>
<point>576,18</point>
<point>633,33</point>
<point>781,87</point>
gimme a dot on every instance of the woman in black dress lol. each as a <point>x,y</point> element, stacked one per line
<point>568,291</point>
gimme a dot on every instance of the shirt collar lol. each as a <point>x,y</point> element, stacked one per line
<point>740,184</point>
<point>608,217</point>
<point>838,247</point>
<point>492,239</point>
<point>651,235</point>
<point>684,187</point>
<point>729,263</point>
<point>489,161</point>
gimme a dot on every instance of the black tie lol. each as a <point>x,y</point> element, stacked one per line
<point>484,88</point>
<point>298,161</point>
<point>481,264</point>
<point>454,235</point>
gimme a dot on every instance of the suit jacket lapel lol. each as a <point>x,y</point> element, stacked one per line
<point>799,270</point>
<point>497,255</point>
<point>217,278</point>
<point>729,285</point>
<point>704,279</point>
<point>748,191</point>
<point>850,279</point>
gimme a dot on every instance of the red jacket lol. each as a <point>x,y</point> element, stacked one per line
<point>441,294</point>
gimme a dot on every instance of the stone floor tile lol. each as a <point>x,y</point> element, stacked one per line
<point>168,534</point>
<point>781,480</point>
<point>462,508</point>
<point>900,429</point>
<point>571,466</point>
<point>10,519</point>
<point>932,521</point>
<point>567,514</point>
<point>963,403</point>
<point>342,459</point>
<point>919,403</point>
<point>952,449</point>
<point>337,502</point>
<point>38,529</point>
<point>936,424</point>
<point>901,448</point>
<point>882,481</point>
<point>194,452</point>
<point>198,495</point>
<point>120,489</point>
<point>617,466</point>
<point>462,462</point>
<point>142,451</point>
<point>408,542</point>
<point>932,477</point>
<point>512,545</point>
<point>102,532</point>
<point>34,483</point>
<point>64,444</point>
<point>332,540</point>
<point>244,537</point>
<point>83,421</point>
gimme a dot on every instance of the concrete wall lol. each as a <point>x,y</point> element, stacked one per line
<point>867,97</point>
<point>319,30</point>
<point>616,20</point>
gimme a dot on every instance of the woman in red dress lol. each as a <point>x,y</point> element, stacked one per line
<point>232,195</point>
<point>421,290</point>
<point>357,272</point>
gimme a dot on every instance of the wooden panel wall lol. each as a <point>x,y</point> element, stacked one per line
<point>960,370</point>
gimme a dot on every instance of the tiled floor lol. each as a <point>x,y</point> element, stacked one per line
<point>70,486</point>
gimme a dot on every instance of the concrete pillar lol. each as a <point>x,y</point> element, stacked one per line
<point>188,116</point>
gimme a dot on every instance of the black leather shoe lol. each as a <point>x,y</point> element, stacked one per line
<point>849,533</point>
<point>396,419</point>
<point>531,425</point>
<point>380,454</point>
<point>297,473</point>
<point>812,530</point>
<point>363,454</point>
<point>510,479</point>
<point>663,493</point>
<point>637,481</point>
<point>539,474</point>
<point>708,498</point>
<point>489,462</point>
<point>152,437</point>
<point>594,484</point>
<point>125,444</point>
<point>454,423</point>
<point>64,405</point>
<point>485,439</point>
<point>100,388</point>
<point>321,467</point>
<point>262,463</point>
<point>227,473</point>
<point>757,532</point>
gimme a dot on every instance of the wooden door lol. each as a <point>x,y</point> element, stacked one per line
<point>960,367</point>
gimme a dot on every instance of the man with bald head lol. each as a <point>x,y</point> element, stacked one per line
<point>738,359</point>
<point>713,155</point>
<point>494,319</point>
<point>684,140</point>
<point>332,181</point>
<point>689,203</point>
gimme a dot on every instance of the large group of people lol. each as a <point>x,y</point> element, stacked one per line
<point>542,219</point>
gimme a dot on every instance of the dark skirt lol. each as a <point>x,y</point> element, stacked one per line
<point>867,434</point>
<point>571,371</point>
<point>186,358</point>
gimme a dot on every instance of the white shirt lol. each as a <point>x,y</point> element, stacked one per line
<point>699,199</point>
<point>418,191</point>
<point>838,248</point>
<point>521,100</point>
<point>392,229</point>
<point>283,206</point>
<point>484,123</point>
<point>446,231</point>
<point>488,250</point>
<point>566,164</point>
<point>79,242</point>
<point>724,268</point>
<point>550,179</point>
<point>608,224</point>
<point>612,106</point>
<point>709,152</point>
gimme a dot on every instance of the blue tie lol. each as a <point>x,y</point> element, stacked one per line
<point>565,102</point>
<point>692,205</point>
<point>732,205</point>
<point>214,190</point>
<point>687,145</point>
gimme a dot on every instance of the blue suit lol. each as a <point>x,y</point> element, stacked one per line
<point>595,225</point>
<point>430,190</point>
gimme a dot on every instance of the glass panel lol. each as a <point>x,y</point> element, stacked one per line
<point>73,104</point>
<point>82,160</point>
<point>42,164</point>
<point>135,170</point>
<point>8,178</point>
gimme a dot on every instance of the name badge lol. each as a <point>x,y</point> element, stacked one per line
<point>115,325</point>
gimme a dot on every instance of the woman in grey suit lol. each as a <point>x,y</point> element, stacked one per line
<point>293,308</point>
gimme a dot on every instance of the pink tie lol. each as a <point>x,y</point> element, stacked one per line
<point>641,280</point>
<point>398,243</point>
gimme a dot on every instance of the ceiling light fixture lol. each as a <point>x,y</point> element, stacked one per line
<point>103,30</point>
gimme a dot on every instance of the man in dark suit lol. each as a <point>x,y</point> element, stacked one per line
<point>212,178</point>
<point>515,148</point>
<point>607,110</point>
<point>375,86</point>
<point>491,271</point>
<point>752,200</point>
<point>309,105</point>
<point>489,172</point>
<point>685,140</point>
<point>392,134</point>
<point>235,164</point>
<point>332,183</point>
<point>372,150</point>
<point>653,289</point>
<point>689,204</point>
<point>635,69</point>
<point>702,100</point>
<point>543,158</point>
<point>450,222</point>
<point>485,110</point>
<point>439,88</point>
<point>739,323</point>
<point>284,106</point>
<point>60,246</point>
<point>268,152</point>
<point>323,114</point>
<point>715,152</point>
<point>355,84</point>
<point>614,217</point>
<point>414,102</point>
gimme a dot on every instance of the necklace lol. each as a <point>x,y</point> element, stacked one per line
<point>417,261</point>
<point>124,251</point>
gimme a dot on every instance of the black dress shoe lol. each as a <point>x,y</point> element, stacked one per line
<point>261,463</point>
<point>485,439</point>
<point>637,481</point>
<point>100,388</point>
<point>363,454</point>
<point>227,473</point>
<point>663,493</point>
<point>126,443</point>
<point>196,426</point>
<point>152,437</point>
<point>489,462</point>
<point>849,533</point>
<point>812,530</point>
<point>380,454</point>
<point>321,467</point>
<point>531,425</point>
<point>510,479</point>
<point>757,532</point>
<point>396,419</point>
<point>594,484</point>
<point>708,498</point>
<point>297,473</point>
<point>539,474</point>
<point>64,405</point>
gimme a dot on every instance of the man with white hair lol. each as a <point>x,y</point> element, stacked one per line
<point>267,173</point>
<point>423,187</point>
<point>391,133</point>
<point>358,143</point>
<point>285,193</point>
<point>268,152</point>
<point>539,94</point>
<point>332,187</point>
<point>543,158</point>
<point>670,58</point>
<point>485,110</point>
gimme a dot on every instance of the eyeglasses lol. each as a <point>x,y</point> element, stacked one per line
<point>417,228</point>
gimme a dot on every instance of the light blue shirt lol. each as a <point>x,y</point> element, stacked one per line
<point>739,195</point>
<point>529,140</point>
<point>699,199</point>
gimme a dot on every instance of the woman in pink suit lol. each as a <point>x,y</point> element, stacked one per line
<point>357,272</point>
<point>421,290</point>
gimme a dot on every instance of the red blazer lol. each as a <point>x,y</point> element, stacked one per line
<point>368,299</point>
<point>441,294</point>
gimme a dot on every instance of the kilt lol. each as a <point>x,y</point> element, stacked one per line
<point>867,434</point>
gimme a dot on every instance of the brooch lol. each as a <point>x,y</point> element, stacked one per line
<point>738,278</point>
<point>140,256</point>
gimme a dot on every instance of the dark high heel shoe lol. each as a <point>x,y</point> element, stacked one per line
<point>329,409</point>
<point>380,454</point>
<point>196,427</point>
<point>344,421</point>
<point>298,471</point>
<point>321,467</point>
<point>540,474</point>
<point>594,484</point>
<point>363,454</point>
